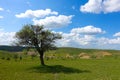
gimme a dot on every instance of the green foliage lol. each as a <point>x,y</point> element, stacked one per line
<point>39,38</point>
<point>36,36</point>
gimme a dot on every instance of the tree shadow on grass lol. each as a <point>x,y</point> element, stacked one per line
<point>56,69</point>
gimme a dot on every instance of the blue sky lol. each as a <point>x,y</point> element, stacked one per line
<point>82,23</point>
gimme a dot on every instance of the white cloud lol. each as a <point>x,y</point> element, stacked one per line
<point>1,9</point>
<point>54,21</point>
<point>47,18</point>
<point>92,6</point>
<point>6,38</point>
<point>98,6</point>
<point>103,41</point>
<point>36,13</point>
<point>111,6</point>
<point>78,39</point>
<point>114,41</point>
<point>1,17</point>
<point>75,40</point>
<point>89,30</point>
<point>71,39</point>
<point>117,34</point>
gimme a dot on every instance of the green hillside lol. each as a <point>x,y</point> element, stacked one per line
<point>64,51</point>
<point>11,48</point>
<point>79,50</point>
<point>62,64</point>
<point>90,53</point>
<point>60,67</point>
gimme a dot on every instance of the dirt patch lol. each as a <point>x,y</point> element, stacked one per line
<point>102,54</point>
<point>69,56</point>
<point>32,53</point>
<point>84,56</point>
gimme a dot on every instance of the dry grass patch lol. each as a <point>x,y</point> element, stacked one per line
<point>84,56</point>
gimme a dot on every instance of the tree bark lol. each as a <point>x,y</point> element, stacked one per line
<point>41,53</point>
<point>40,50</point>
<point>41,58</point>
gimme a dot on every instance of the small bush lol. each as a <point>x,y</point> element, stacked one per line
<point>15,57</point>
<point>8,59</point>
<point>33,56</point>
<point>20,57</point>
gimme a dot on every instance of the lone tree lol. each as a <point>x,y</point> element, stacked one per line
<point>39,38</point>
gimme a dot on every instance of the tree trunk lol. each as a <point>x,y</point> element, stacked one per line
<point>41,58</point>
<point>40,51</point>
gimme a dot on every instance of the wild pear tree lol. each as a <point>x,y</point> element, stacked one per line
<point>39,38</point>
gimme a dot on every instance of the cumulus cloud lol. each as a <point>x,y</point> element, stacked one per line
<point>88,30</point>
<point>98,6</point>
<point>111,6</point>
<point>36,13</point>
<point>54,21</point>
<point>81,36</point>
<point>76,38</point>
<point>93,6</point>
<point>47,18</point>
<point>6,38</point>
<point>115,41</point>
<point>72,39</point>
<point>117,34</point>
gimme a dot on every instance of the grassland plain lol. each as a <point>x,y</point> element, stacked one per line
<point>107,68</point>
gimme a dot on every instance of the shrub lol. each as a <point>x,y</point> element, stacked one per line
<point>15,57</point>
<point>8,58</point>
<point>20,57</point>
<point>33,55</point>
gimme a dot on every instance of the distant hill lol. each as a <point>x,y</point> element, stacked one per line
<point>79,50</point>
<point>70,52</point>
<point>11,48</point>
<point>63,50</point>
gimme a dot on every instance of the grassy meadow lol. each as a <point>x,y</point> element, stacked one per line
<point>62,64</point>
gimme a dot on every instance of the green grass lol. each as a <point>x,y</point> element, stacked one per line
<point>78,51</point>
<point>106,68</point>
<point>77,69</point>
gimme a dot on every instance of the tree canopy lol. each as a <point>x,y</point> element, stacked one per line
<point>38,37</point>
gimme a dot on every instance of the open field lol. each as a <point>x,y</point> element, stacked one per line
<point>105,68</point>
